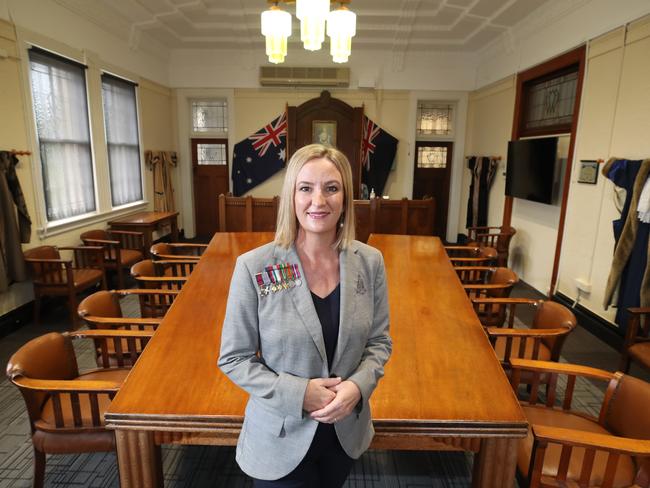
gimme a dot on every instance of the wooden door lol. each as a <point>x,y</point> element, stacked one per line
<point>210,169</point>
<point>431,179</point>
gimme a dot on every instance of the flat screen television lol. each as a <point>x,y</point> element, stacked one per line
<point>533,169</point>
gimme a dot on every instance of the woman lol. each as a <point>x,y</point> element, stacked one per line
<point>306,332</point>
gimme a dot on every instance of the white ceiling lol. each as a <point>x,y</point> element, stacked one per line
<point>402,27</point>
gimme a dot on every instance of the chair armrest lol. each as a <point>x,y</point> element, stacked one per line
<point>121,322</point>
<point>67,386</point>
<point>488,286</point>
<point>500,332</point>
<point>475,268</point>
<point>161,279</point>
<point>145,291</point>
<point>103,242</point>
<point>65,262</point>
<point>463,248</point>
<point>505,301</point>
<point>592,440</point>
<point>189,245</point>
<point>562,368</point>
<point>82,248</point>
<point>109,334</point>
<point>639,310</point>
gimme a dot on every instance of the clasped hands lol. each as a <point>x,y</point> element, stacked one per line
<point>329,400</point>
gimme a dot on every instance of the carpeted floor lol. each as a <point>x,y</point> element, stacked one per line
<point>199,466</point>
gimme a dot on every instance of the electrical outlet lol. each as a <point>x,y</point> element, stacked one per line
<point>583,285</point>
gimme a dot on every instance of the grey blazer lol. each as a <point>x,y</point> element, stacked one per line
<point>284,328</point>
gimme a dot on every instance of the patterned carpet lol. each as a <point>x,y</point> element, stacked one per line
<point>199,466</point>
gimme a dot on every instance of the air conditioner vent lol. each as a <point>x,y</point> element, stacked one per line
<point>303,76</point>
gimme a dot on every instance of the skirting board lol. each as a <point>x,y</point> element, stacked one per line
<point>598,326</point>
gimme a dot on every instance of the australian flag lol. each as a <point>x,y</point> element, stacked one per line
<point>259,156</point>
<point>378,150</point>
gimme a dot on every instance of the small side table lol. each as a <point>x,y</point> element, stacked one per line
<point>147,222</point>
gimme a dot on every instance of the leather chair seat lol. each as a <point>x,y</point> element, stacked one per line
<point>82,278</point>
<point>625,471</point>
<point>500,349</point>
<point>47,423</point>
<point>128,257</point>
<point>640,352</point>
<point>60,442</point>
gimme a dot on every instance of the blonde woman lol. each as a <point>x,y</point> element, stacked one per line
<point>306,332</point>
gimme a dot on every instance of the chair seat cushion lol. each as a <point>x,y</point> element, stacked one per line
<point>538,415</point>
<point>83,278</point>
<point>128,257</point>
<point>500,350</point>
<point>47,421</point>
<point>640,352</point>
<point>73,442</point>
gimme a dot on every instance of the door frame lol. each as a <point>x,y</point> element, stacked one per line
<point>194,168</point>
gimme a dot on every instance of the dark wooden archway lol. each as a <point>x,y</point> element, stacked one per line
<point>348,129</point>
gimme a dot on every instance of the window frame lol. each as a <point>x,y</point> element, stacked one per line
<point>136,92</point>
<point>104,211</point>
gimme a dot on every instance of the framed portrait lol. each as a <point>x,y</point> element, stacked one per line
<point>588,172</point>
<point>324,132</point>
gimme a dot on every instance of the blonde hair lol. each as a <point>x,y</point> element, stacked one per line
<point>287,225</point>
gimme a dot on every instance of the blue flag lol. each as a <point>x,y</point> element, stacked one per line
<point>260,156</point>
<point>378,149</point>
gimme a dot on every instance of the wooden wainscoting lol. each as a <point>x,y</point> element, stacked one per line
<point>409,217</point>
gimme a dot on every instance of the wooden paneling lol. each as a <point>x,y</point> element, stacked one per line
<point>412,217</point>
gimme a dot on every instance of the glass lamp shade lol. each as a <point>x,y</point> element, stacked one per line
<point>341,28</point>
<point>276,27</point>
<point>312,15</point>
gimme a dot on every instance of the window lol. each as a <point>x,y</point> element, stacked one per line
<point>432,157</point>
<point>61,110</point>
<point>434,119</point>
<point>550,102</point>
<point>121,122</point>
<point>210,116</point>
<point>211,154</point>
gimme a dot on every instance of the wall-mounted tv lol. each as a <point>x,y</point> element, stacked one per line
<point>534,169</point>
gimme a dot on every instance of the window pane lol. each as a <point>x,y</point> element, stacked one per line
<point>211,154</point>
<point>434,119</point>
<point>61,111</point>
<point>551,102</point>
<point>210,115</point>
<point>432,157</point>
<point>121,119</point>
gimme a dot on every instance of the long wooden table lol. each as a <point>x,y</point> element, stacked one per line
<point>443,388</point>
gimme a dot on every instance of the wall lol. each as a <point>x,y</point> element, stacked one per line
<point>489,126</point>
<point>615,121</point>
<point>157,115</point>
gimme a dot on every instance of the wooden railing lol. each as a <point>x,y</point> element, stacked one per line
<point>412,217</point>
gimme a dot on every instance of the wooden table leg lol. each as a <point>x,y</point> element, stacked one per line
<point>174,222</point>
<point>495,463</point>
<point>139,459</point>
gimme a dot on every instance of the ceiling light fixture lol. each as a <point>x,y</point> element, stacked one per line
<point>276,27</point>
<point>314,15</point>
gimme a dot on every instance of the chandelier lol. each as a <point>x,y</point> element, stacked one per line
<point>314,16</point>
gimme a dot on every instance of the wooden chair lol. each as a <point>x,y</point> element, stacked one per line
<point>488,282</point>
<point>544,339</point>
<point>102,311</point>
<point>566,447</point>
<point>122,249</point>
<point>177,250</point>
<point>496,237</point>
<point>154,274</point>
<point>471,256</point>
<point>53,276</point>
<point>153,303</point>
<point>637,343</point>
<point>66,407</point>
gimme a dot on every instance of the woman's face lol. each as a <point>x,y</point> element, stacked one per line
<point>319,197</point>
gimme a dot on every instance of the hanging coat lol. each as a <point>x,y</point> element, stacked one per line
<point>483,170</point>
<point>15,224</point>
<point>630,263</point>
<point>159,162</point>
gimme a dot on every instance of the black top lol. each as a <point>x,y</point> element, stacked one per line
<point>328,310</point>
